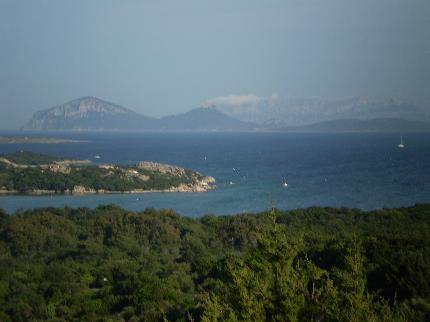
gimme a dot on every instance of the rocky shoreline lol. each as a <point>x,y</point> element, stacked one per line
<point>27,173</point>
<point>204,185</point>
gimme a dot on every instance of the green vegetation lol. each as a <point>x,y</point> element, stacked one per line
<point>27,172</point>
<point>31,158</point>
<point>91,177</point>
<point>316,264</point>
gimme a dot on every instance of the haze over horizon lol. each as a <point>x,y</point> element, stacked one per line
<point>161,58</point>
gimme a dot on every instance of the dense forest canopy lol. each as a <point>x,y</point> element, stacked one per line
<point>315,264</point>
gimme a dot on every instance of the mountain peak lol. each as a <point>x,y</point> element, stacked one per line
<point>204,119</point>
<point>83,106</point>
<point>85,113</point>
<point>93,114</point>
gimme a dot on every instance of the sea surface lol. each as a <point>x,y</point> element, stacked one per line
<point>364,171</point>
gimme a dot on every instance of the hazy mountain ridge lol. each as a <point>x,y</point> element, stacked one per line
<point>248,113</point>
<point>200,119</point>
<point>93,114</point>
<point>86,113</point>
<point>360,126</point>
<point>274,112</point>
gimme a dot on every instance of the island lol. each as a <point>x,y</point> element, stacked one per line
<point>35,140</point>
<point>26,172</point>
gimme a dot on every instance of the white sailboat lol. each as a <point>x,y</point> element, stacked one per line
<point>401,145</point>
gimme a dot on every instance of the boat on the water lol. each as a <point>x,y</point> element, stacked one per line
<point>401,145</point>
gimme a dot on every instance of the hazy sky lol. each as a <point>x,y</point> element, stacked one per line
<point>160,57</point>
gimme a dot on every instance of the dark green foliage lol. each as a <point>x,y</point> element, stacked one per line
<point>91,177</point>
<point>33,178</point>
<point>316,264</point>
<point>31,158</point>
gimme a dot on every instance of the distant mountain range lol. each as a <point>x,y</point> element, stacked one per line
<point>274,112</point>
<point>271,114</point>
<point>94,114</point>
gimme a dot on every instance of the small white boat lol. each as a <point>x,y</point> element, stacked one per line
<point>97,157</point>
<point>231,182</point>
<point>285,184</point>
<point>401,145</point>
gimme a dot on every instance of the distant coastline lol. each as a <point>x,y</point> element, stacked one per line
<point>36,140</point>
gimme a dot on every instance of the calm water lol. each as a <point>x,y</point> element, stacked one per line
<point>355,170</point>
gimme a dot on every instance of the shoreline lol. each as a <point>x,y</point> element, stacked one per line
<point>4,139</point>
<point>180,189</point>
<point>131,179</point>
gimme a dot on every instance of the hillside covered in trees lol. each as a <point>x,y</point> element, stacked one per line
<point>315,264</point>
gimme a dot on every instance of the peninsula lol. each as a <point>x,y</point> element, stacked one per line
<point>6,139</point>
<point>31,173</point>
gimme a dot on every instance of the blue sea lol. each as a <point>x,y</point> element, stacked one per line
<point>364,171</point>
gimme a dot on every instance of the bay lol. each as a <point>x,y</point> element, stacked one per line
<point>357,170</point>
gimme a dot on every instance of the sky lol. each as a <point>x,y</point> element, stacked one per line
<point>161,57</point>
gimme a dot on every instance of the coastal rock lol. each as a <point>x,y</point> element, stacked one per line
<point>7,162</point>
<point>56,168</point>
<point>105,178</point>
<point>40,192</point>
<point>80,190</point>
<point>203,185</point>
<point>161,167</point>
<point>4,191</point>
